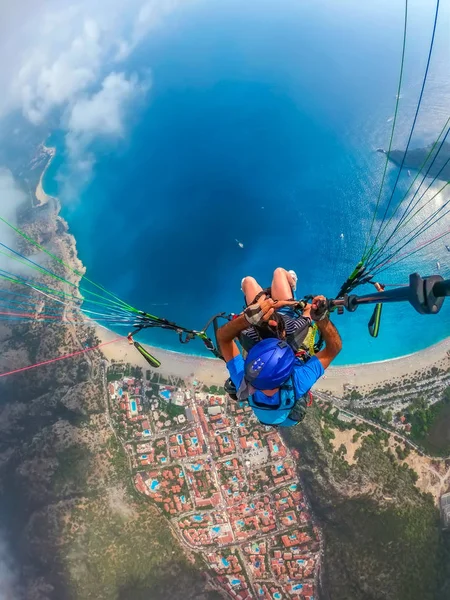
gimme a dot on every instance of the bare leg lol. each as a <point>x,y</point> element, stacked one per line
<point>251,288</point>
<point>282,284</point>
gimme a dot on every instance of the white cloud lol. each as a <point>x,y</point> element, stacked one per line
<point>61,67</point>
<point>11,198</point>
<point>103,112</point>
<point>8,578</point>
<point>64,51</point>
<point>99,115</point>
<point>150,16</point>
<point>43,83</point>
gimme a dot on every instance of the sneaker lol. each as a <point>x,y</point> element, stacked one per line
<point>293,274</point>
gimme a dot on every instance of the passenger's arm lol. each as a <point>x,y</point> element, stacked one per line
<point>253,315</point>
<point>333,342</point>
<point>226,335</point>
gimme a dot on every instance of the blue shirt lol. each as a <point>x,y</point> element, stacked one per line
<point>305,376</point>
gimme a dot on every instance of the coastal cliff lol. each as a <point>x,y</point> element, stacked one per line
<point>414,159</point>
<point>65,490</point>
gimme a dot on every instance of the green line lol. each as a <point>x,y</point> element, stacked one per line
<point>367,253</point>
<point>49,273</point>
<point>37,245</point>
<point>49,290</point>
<point>428,156</point>
<point>424,205</point>
<point>403,225</point>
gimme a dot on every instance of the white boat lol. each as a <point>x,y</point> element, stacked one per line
<point>438,265</point>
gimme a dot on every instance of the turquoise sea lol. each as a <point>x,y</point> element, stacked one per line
<point>261,126</point>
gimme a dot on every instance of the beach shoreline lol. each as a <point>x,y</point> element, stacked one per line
<point>42,198</point>
<point>212,371</point>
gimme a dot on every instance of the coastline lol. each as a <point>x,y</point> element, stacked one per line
<point>41,197</point>
<point>212,371</point>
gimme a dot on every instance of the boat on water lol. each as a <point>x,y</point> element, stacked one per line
<point>438,265</point>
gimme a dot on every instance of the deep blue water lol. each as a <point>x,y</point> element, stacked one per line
<point>260,126</point>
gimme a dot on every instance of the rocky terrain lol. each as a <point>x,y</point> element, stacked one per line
<point>383,538</point>
<point>75,528</point>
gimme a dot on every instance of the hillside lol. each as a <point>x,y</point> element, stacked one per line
<point>382,535</point>
<point>75,528</point>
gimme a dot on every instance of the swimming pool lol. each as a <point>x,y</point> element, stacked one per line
<point>197,518</point>
<point>225,563</point>
<point>196,467</point>
<point>154,485</point>
<point>133,406</point>
<point>279,468</point>
<point>235,582</point>
<point>166,394</point>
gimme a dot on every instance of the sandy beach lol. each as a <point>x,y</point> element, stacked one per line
<point>41,197</point>
<point>213,372</point>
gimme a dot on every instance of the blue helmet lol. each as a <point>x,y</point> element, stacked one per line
<point>269,364</point>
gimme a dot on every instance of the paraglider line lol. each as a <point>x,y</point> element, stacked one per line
<point>414,121</point>
<point>71,355</point>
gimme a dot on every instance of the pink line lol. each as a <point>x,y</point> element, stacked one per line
<point>435,238</point>
<point>47,362</point>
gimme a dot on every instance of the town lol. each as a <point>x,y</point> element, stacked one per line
<point>227,484</point>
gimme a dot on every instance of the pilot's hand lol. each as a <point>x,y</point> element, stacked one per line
<point>260,311</point>
<point>319,308</point>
